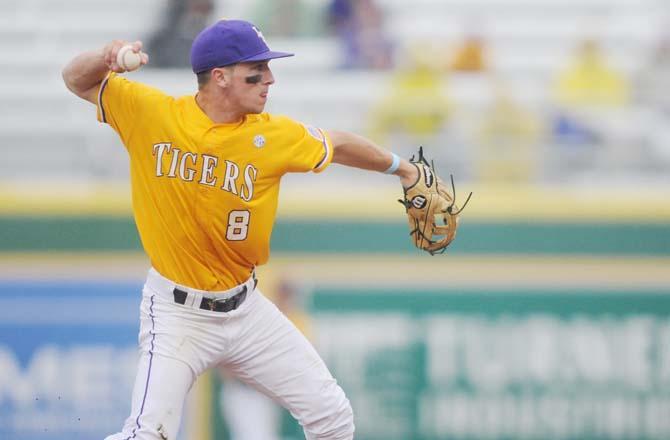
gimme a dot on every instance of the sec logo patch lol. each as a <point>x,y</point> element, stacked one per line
<point>259,141</point>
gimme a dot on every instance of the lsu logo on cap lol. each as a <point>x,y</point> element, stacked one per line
<point>260,34</point>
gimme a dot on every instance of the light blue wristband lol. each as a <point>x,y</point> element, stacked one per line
<point>394,165</point>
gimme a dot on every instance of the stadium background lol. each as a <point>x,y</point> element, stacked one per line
<point>549,317</point>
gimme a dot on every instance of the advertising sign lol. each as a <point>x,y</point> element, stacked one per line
<point>504,365</point>
<point>68,353</point>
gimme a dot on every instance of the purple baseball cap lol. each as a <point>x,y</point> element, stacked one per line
<point>228,42</point>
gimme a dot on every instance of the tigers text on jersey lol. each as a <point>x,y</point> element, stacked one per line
<point>205,194</point>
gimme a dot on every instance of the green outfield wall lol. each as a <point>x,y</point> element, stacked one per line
<point>119,234</point>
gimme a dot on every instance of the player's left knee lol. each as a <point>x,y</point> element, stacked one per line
<point>343,424</point>
<point>335,420</point>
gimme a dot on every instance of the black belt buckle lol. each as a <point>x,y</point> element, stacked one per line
<point>213,304</point>
<point>224,305</point>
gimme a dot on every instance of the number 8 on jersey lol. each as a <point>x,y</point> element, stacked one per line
<point>238,225</point>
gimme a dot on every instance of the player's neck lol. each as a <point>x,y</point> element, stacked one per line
<point>218,109</point>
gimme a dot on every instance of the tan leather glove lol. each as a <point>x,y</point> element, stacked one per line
<point>431,210</point>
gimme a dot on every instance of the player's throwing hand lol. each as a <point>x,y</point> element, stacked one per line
<point>111,52</point>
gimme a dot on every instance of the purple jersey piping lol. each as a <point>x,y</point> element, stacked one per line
<point>325,146</point>
<point>102,107</point>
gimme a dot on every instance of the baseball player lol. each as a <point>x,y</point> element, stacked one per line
<point>205,172</point>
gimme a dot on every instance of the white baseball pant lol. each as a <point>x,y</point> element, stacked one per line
<point>255,342</point>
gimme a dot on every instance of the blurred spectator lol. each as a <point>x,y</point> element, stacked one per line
<point>359,26</point>
<point>416,104</point>
<point>578,140</point>
<point>571,130</point>
<point>470,55</point>
<point>590,81</point>
<point>288,18</point>
<point>249,414</point>
<point>508,140</point>
<point>590,94</point>
<point>170,44</point>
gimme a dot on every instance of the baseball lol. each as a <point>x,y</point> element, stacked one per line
<point>127,59</point>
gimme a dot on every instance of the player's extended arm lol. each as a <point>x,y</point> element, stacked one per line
<point>356,151</point>
<point>86,71</point>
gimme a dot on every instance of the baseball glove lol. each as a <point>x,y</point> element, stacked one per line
<point>431,209</point>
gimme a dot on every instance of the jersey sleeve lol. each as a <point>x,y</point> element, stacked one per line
<point>123,104</point>
<point>310,147</point>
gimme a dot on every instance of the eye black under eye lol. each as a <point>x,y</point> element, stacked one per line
<point>254,79</point>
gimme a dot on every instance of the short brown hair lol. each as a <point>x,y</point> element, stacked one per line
<point>203,78</point>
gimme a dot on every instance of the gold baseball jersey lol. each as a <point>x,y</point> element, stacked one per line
<point>204,195</point>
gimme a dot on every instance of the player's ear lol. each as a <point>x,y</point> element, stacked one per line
<point>218,76</point>
<point>222,76</point>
